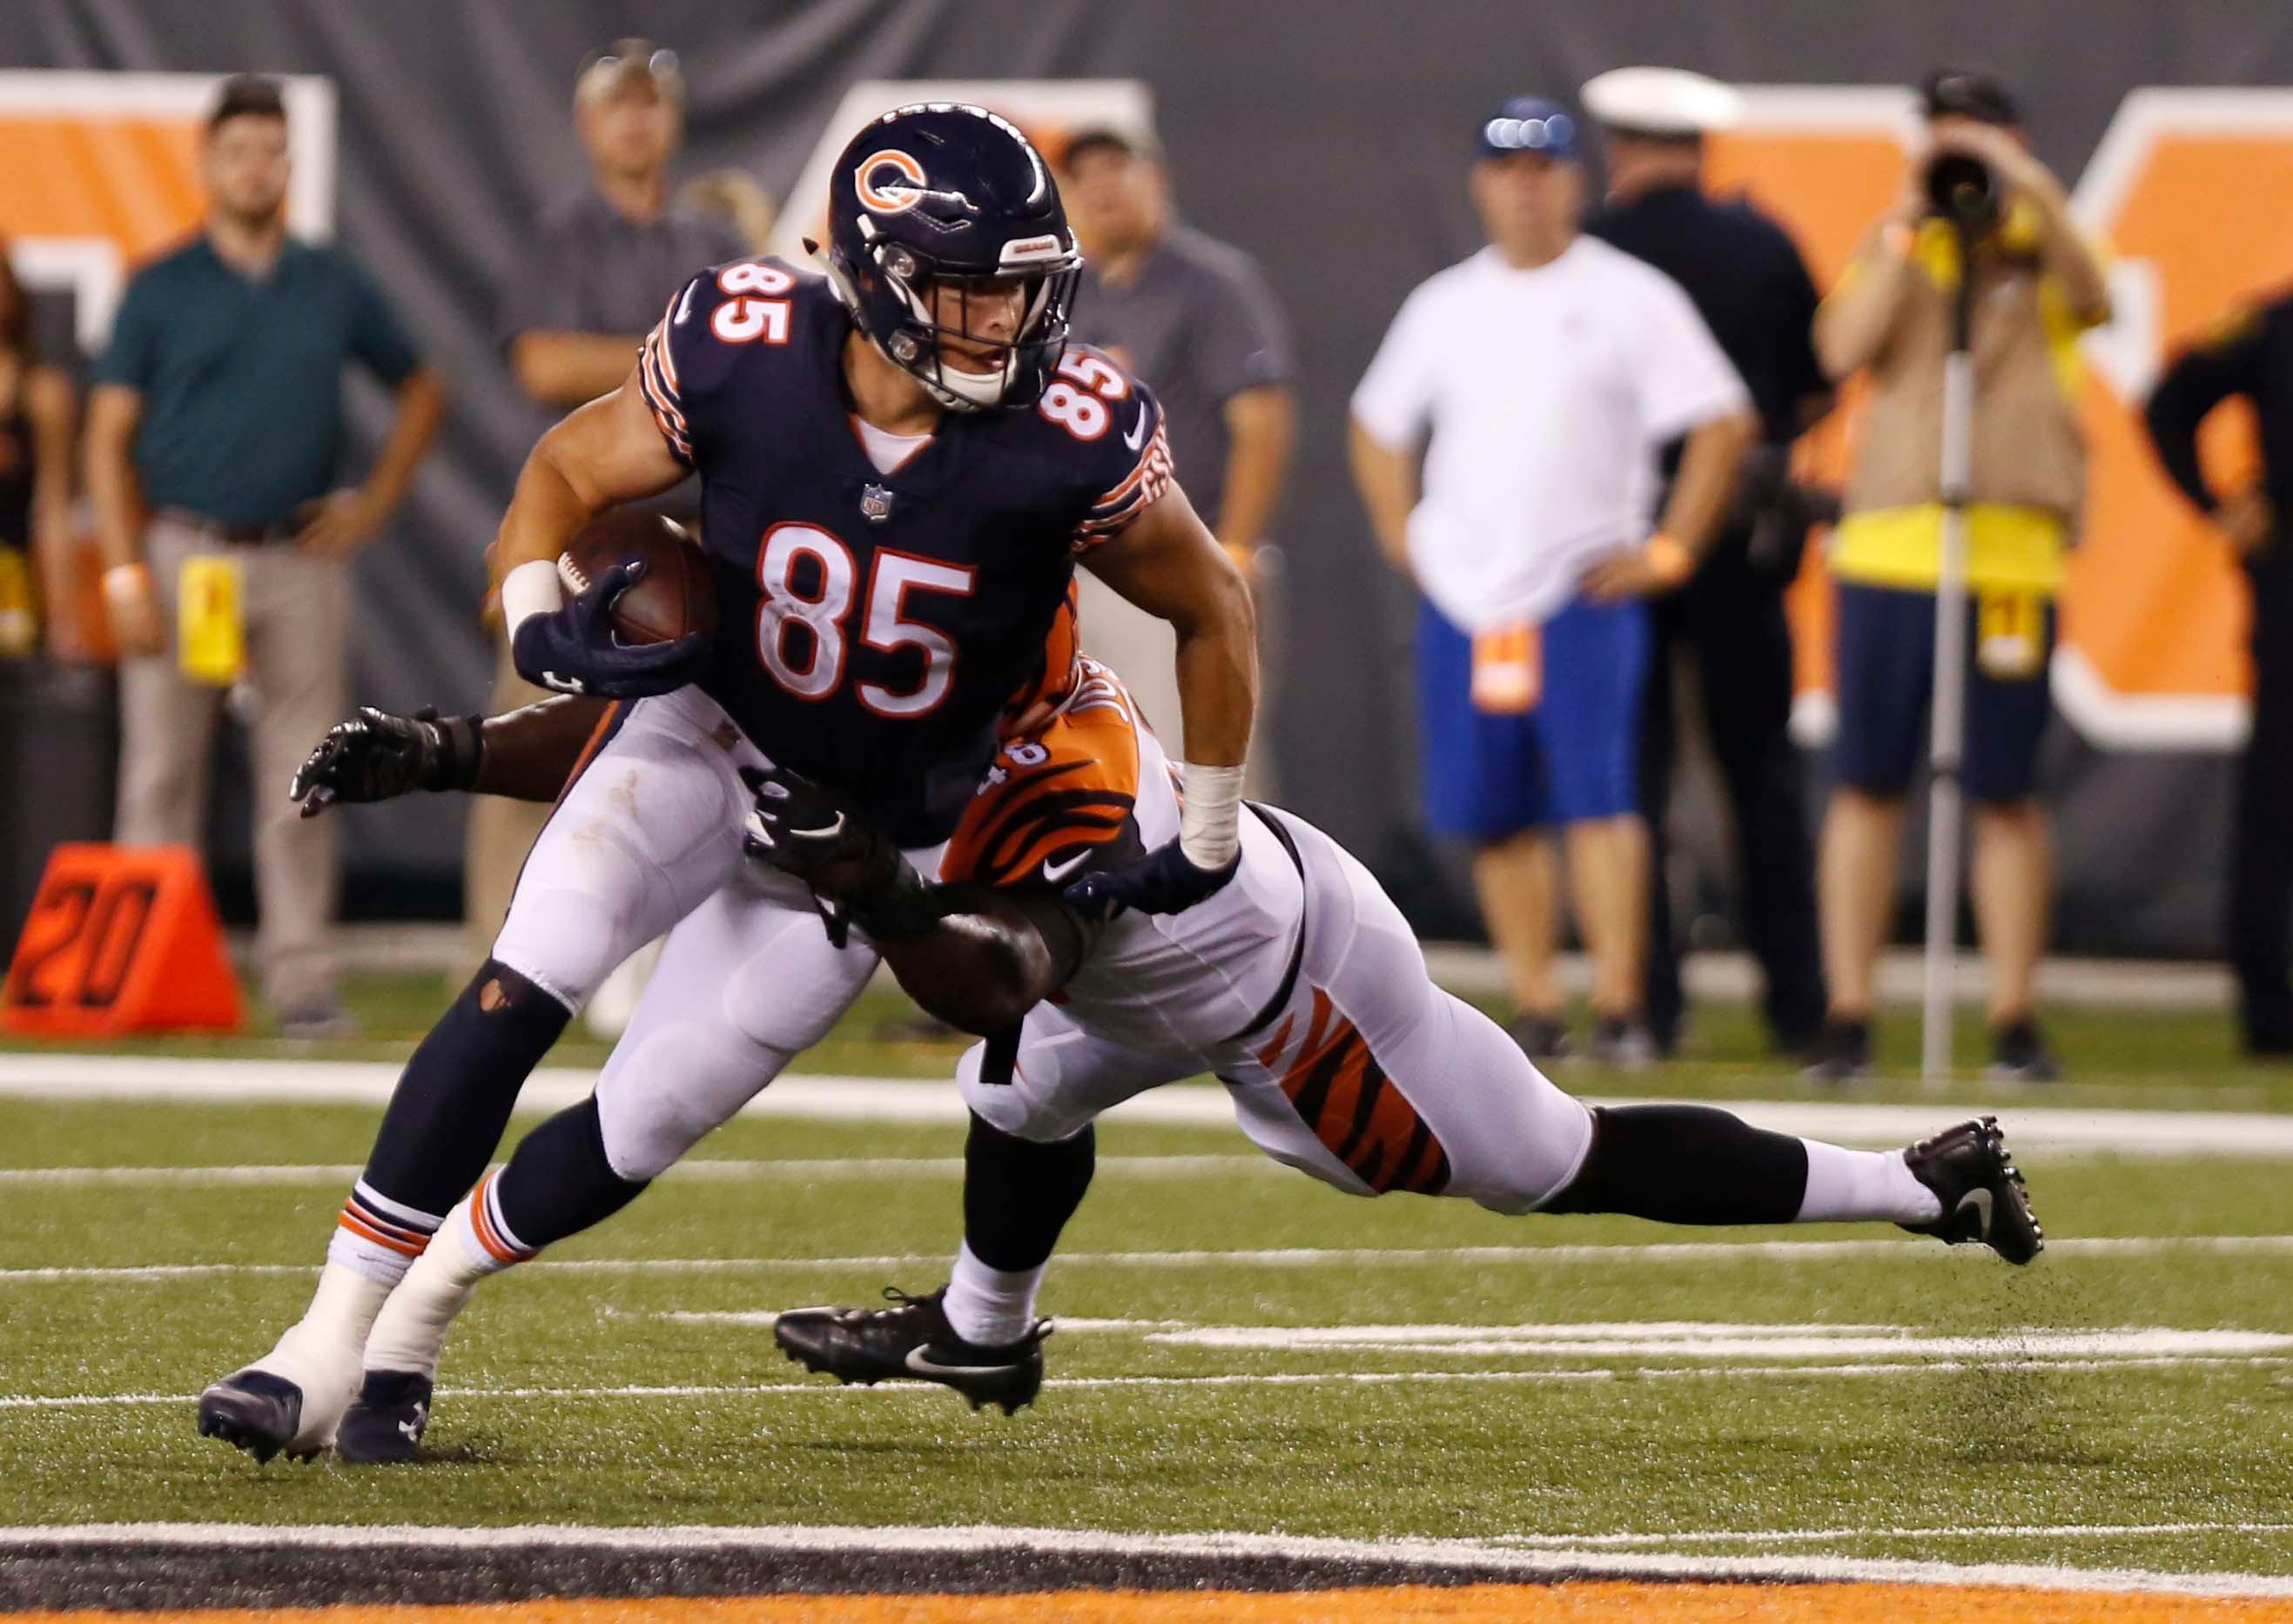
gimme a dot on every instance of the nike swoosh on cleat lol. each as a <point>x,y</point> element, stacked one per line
<point>1979,1200</point>
<point>923,1364</point>
<point>1056,872</point>
<point>1137,435</point>
<point>825,832</point>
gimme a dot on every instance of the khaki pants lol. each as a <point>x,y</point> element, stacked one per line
<point>500,832</point>
<point>296,608</point>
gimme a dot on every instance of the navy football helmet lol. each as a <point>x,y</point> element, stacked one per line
<point>939,197</point>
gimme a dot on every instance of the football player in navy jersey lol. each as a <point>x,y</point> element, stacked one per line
<point>900,464</point>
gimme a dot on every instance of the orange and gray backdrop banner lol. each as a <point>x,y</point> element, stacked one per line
<point>1330,143</point>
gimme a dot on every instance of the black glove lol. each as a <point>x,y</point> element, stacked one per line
<point>573,650</point>
<point>856,874</point>
<point>1164,881</point>
<point>376,756</point>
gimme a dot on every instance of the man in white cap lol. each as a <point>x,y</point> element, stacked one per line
<point>1746,277</point>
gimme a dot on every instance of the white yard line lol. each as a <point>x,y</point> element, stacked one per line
<point>786,1169</point>
<point>1215,1379</point>
<point>1905,1250</point>
<point>1433,1555</point>
<point>1730,1342</point>
<point>830,1098</point>
<point>1829,1535</point>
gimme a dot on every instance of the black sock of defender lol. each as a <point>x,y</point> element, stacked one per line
<point>1687,1164</point>
<point>559,1182</point>
<point>452,1101</point>
<point>1018,1195</point>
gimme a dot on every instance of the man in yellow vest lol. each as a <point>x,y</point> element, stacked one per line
<point>2037,284</point>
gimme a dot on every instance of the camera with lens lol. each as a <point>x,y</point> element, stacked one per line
<point>1962,190</point>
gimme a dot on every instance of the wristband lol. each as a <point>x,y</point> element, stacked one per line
<point>1210,821</point>
<point>461,751</point>
<point>121,580</point>
<point>530,589</point>
<point>1670,557</point>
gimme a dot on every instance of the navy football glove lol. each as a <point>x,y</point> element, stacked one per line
<point>573,650</point>
<point>1163,882</point>
<point>376,756</point>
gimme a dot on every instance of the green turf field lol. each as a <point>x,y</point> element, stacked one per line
<point>1891,1399</point>
<point>2160,1059</point>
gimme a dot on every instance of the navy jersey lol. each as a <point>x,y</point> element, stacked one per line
<point>872,625</point>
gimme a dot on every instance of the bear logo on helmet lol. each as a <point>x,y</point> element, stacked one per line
<point>892,193</point>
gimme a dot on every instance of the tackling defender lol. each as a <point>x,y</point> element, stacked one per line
<point>1298,985</point>
<point>899,466</point>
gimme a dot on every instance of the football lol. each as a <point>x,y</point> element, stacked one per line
<point>675,597</point>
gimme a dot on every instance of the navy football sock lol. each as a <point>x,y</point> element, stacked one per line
<point>1687,1164</point>
<point>559,1182</point>
<point>1018,1195</point>
<point>452,1101</point>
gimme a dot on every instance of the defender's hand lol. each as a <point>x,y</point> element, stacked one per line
<point>1163,882</point>
<point>573,650</point>
<point>857,875</point>
<point>377,757</point>
<point>802,828</point>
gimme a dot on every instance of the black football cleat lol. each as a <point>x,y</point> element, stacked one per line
<point>1983,1199</point>
<point>256,1411</point>
<point>384,1424</point>
<point>912,1341</point>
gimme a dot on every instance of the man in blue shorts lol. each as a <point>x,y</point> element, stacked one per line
<point>1547,370</point>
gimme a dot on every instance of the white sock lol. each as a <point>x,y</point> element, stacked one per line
<point>411,1328</point>
<point>990,1306</point>
<point>331,1334</point>
<point>474,1243</point>
<point>377,1237</point>
<point>322,1353</point>
<point>1843,1184</point>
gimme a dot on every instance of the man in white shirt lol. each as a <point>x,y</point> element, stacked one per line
<point>1548,369</point>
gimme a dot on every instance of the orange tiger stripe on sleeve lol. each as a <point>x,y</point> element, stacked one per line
<point>1072,784</point>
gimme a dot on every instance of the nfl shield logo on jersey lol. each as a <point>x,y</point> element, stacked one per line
<point>876,503</point>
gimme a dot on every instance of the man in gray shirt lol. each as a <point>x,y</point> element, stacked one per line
<point>591,277</point>
<point>1194,317</point>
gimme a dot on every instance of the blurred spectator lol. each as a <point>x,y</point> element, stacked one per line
<point>1549,368</point>
<point>732,196</point>
<point>591,277</point>
<point>1749,283</point>
<point>1194,318</point>
<point>214,431</point>
<point>2038,286</point>
<point>2249,354</point>
<point>37,406</point>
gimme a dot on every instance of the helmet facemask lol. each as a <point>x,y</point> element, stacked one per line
<point>922,294</point>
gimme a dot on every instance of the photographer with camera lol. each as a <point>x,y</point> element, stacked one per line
<point>1976,205</point>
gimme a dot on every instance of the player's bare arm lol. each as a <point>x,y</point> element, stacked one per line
<point>525,754</point>
<point>608,452</point>
<point>565,369</point>
<point>1387,481</point>
<point>1167,563</point>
